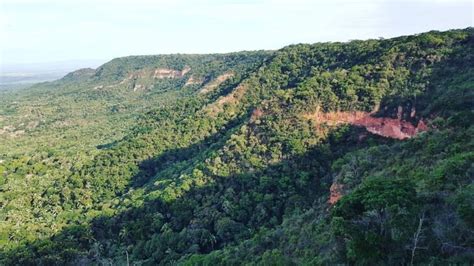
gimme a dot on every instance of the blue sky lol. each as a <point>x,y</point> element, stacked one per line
<point>54,31</point>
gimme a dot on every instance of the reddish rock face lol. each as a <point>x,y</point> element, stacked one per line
<point>388,127</point>
<point>336,192</point>
<point>395,128</point>
<point>256,114</point>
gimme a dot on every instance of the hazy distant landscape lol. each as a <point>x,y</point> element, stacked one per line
<point>22,75</point>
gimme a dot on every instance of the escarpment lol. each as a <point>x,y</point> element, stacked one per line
<point>396,128</point>
<point>143,79</point>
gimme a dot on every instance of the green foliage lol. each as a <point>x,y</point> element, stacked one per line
<point>93,171</point>
<point>378,218</point>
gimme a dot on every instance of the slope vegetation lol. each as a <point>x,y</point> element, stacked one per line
<point>330,153</point>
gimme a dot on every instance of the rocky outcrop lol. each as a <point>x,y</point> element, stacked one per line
<point>216,82</point>
<point>142,79</point>
<point>162,73</point>
<point>396,128</point>
<point>138,87</point>
<point>256,114</point>
<point>192,80</point>
<point>231,98</point>
<point>336,191</point>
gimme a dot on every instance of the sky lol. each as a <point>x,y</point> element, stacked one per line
<point>88,32</point>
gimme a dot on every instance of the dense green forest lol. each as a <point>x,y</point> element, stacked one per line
<point>315,154</point>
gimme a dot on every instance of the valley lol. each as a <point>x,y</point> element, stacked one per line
<point>313,154</point>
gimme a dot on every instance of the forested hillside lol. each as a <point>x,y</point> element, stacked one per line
<point>327,153</point>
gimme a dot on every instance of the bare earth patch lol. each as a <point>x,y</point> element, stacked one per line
<point>161,73</point>
<point>145,76</point>
<point>216,82</point>
<point>395,128</point>
<point>231,98</point>
<point>336,192</point>
<point>192,80</point>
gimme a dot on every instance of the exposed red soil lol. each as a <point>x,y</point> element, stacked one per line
<point>388,127</point>
<point>395,128</point>
<point>336,192</point>
<point>257,113</point>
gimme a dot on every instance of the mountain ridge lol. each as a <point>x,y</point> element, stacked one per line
<point>274,165</point>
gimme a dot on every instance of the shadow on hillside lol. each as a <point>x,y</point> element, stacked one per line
<point>204,218</point>
<point>172,162</point>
